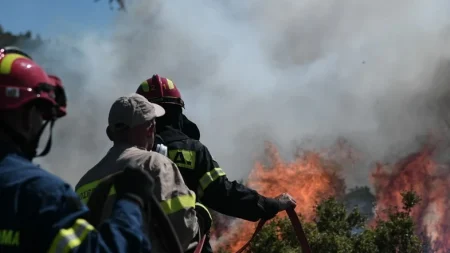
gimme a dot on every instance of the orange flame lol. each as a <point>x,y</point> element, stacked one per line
<point>308,179</point>
<point>431,181</point>
<point>315,175</point>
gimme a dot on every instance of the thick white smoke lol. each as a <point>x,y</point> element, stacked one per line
<point>261,70</point>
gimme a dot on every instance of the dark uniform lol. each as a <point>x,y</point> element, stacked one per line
<point>41,213</point>
<point>203,175</point>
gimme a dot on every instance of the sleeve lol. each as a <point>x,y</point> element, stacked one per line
<point>231,198</point>
<point>55,222</point>
<point>178,203</point>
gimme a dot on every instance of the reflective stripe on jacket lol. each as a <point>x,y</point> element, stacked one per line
<point>177,201</point>
<point>41,213</point>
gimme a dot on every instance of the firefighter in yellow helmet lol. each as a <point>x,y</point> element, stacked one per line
<point>200,171</point>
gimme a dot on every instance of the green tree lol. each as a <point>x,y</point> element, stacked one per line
<point>338,230</point>
<point>120,3</point>
<point>21,40</point>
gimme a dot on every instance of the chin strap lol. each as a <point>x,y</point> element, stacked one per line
<point>48,146</point>
<point>28,148</point>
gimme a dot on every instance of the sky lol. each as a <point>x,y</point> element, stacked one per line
<point>51,18</point>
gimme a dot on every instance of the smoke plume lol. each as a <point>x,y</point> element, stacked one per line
<point>251,71</point>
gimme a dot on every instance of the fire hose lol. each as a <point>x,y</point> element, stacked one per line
<point>296,224</point>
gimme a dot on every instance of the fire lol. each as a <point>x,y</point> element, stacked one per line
<point>314,175</point>
<point>430,180</point>
<point>308,178</point>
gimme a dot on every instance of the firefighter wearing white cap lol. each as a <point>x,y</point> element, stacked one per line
<point>131,127</point>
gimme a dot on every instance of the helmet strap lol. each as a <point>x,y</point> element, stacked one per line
<point>28,148</point>
<point>48,145</point>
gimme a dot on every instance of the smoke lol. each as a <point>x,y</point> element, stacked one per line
<point>261,70</point>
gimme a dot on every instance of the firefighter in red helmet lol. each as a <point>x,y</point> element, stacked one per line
<point>40,212</point>
<point>25,83</point>
<point>200,171</point>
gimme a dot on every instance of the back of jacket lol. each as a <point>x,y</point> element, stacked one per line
<point>205,176</point>
<point>16,182</point>
<point>177,201</point>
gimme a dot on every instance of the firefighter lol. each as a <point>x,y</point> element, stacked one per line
<point>199,169</point>
<point>39,211</point>
<point>131,127</point>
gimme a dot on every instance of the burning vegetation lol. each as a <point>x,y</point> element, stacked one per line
<point>407,210</point>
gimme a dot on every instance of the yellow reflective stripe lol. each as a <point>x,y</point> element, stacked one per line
<point>176,204</point>
<point>170,84</point>
<point>183,158</point>
<point>86,190</point>
<point>68,239</point>
<point>210,177</point>
<point>9,237</point>
<point>7,62</point>
<point>145,86</point>
<point>169,206</point>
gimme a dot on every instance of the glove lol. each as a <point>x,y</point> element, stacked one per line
<point>134,184</point>
<point>286,201</point>
<point>272,206</point>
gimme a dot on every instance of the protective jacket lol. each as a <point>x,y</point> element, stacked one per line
<point>177,201</point>
<point>41,213</point>
<point>203,174</point>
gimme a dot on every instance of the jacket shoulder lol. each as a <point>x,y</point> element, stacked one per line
<point>32,180</point>
<point>28,171</point>
<point>144,158</point>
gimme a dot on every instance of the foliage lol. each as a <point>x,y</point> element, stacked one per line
<point>120,3</point>
<point>336,229</point>
<point>9,39</point>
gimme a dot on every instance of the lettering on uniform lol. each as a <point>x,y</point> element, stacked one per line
<point>85,191</point>
<point>183,158</point>
<point>9,237</point>
<point>84,196</point>
<point>179,158</point>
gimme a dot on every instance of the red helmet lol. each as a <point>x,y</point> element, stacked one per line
<point>60,96</point>
<point>23,81</point>
<point>160,90</point>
